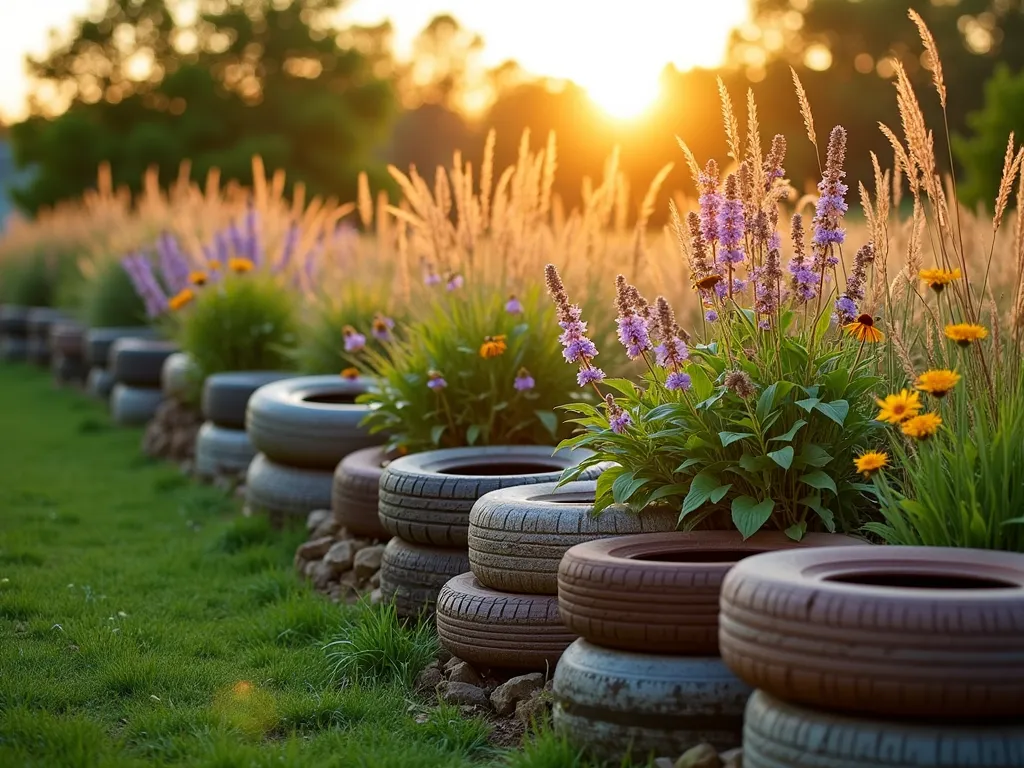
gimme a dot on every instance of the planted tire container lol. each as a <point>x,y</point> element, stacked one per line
<point>136,366</point>
<point>98,342</point>
<point>412,575</point>
<point>302,427</point>
<point>40,320</point>
<point>13,332</point>
<point>356,490</point>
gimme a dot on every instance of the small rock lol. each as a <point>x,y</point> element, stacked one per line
<point>507,695</point>
<point>315,548</point>
<point>464,693</point>
<point>533,709</point>
<point>701,756</point>
<point>732,758</point>
<point>339,556</point>
<point>367,561</point>
<point>464,673</point>
<point>451,662</point>
<point>376,598</point>
<point>664,762</point>
<point>322,575</point>
<point>309,568</point>
<point>360,543</point>
<point>428,680</point>
<point>328,527</point>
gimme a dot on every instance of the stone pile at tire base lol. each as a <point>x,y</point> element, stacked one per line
<point>67,347</point>
<point>171,433</point>
<point>342,566</point>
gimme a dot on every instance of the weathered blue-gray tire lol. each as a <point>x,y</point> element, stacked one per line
<point>412,575</point>
<point>13,348</point>
<point>517,536</point>
<point>100,383</point>
<point>780,735</point>
<point>355,493</point>
<point>309,421</point>
<point>222,451</point>
<point>139,362</point>
<point>226,395</point>
<point>285,492</point>
<point>615,703</point>
<point>67,338</point>
<point>179,377</point>
<point>13,320</point>
<point>40,320</point>
<point>427,497</point>
<point>99,340</point>
<point>133,406</point>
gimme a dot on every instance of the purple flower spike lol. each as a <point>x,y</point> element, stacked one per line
<point>589,376</point>
<point>354,341</point>
<point>436,381</point>
<point>524,381</point>
<point>291,242</point>
<point>678,382</point>
<point>174,266</point>
<point>514,306</point>
<point>731,224</point>
<point>140,272</point>
<point>619,421</point>
<point>711,316</point>
<point>455,282</point>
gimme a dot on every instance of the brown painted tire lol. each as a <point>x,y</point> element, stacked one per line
<point>355,491</point>
<point>658,592</point>
<point>517,536</point>
<point>889,631</point>
<point>412,575</point>
<point>500,630</point>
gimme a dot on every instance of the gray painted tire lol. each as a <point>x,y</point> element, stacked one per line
<point>413,575</point>
<point>494,629</point>
<point>40,321</point>
<point>179,376</point>
<point>14,320</point>
<point>99,340</point>
<point>427,497</point>
<point>13,348</point>
<point>226,395</point>
<point>780,735</point>
<point>284,491</point>
<point>355,493</point>
<point>139,362</point>
<point>619,702</point>
<point>517,536</point>
<point>133,406</point>
<point>99,383</point>
<point>222,451</point>
<point>285,422</point>
<point>68,339</point>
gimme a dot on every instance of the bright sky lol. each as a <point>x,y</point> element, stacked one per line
<point>617,56</point>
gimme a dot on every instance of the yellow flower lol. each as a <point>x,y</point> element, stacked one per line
<point>938,279</point>
<point>923,426</point>
<point>966,334</point>
<point>899,408</point>
<point>493,346</point>
<point>870,462</point>
<point>240,265</point>
<point>197,278</point>
<point>181,298</point>
<point>350,373</point>
<point>937,382</point>
<point>214,265</point>
<point>863,329</point>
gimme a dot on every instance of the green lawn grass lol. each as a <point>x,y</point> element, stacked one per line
<point>143,621</point>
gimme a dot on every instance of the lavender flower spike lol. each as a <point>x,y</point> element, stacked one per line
<point>140,272</point>
<point>174,266</point>
<point>731,224</point>
<point>831,204</point>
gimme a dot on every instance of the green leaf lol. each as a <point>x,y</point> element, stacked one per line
<point>814,502</point>
<point>821,327</point>
<point>783,457</point>
<point>676,489</point>
<point>755,463</point>
<point>605,481</point>
<point>625,386</point>
<point>728,438</point>
<point>814,455</point>
<point>748,514</point>
<point>766,401</point>
<point>625,486</point>
<point>549,420</point>
<point>435,433</point>
<point>837,410</point>
<point>797,531</point>
<point>820,480</point>
<point>809,403</point>
<point>791,433</point>
<point>688,463</point>
<point>472,434</point>
<point>719,493</point>
<point>700,384</point>
<point>701,488</point>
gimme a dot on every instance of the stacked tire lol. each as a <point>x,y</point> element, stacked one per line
<point>646,675</point>
<point>40,320</point>
<point>137,365</point>
<point>223,448</point>
<point>13,333</point>
<point>355,493</point>
<point>98,341</point>
<point>505,613</point>
<point>425,504</point>
<point>879,657</point>
<point>67,347</point>
<point>301,428</point>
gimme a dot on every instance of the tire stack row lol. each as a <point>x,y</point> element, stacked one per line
<point>40,321</point>
<point>67,347</point>
<point>137,366</point>
<point>98,341</point>
<point>13,333</point>
<point>301,428</point>
<point>355,493</point>
<point>879,657</point>
<point>223,448</point>
<point>504,614</point>
<point>425,503</point>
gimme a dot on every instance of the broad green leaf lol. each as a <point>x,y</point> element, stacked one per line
<point>783,457</point>
<point>472,434</point>
<point>625,386</point>
<point>821,327</point>
<point>837,381</point>
<point>701,487</point>
<point>605,481</point>
<point>814,502</point>
<point>549,420</point>
<point>766,401</point>
<point>719,493</point>
<point>435,433</point>
<point>809,403</point>
<point>797,531</point>
<point>837,410</point>
<point>755,463</point>
<point>700,384</point>
<point>820,480</point>
<point>787,436</point>
<point>687,464</point>
<point>676,489</point>
<point>625,486</point>
<point>814,455</point>
<point>728,438</point>
<point>749,515</point>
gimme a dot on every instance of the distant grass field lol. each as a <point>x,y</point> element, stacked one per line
<point>143,621</point>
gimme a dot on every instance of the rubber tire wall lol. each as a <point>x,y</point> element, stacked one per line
<point>221,451</point>
<point>134,406</point>
<point>412,575</point>
<point>355,490</point>
<point>226,395</point>
<point>284,491</point>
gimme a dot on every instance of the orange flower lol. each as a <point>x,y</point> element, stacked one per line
<point>198,277</point>
<point>923,426</point>
<point>872,461</point>
<point>181,298</point>
<point>938,279</point>
<point>350,373</point>
<point>493,346</point>
<point>966,334</point>
<point>863,329</point>
<point>240,266</point>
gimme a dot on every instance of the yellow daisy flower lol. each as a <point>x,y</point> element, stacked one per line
<point>493,346</point>
<point>937,382</point>
<point>350,373</point>
<point>938,279</point>
<point>181,298</point>
<point>198,277</point>
<point>213,265</point>
<point>966,334</point>
<point>923,426</point>
<point>872,461</point>
<point>863,329</point>
<point>898,408</point>
<point>240,266</point>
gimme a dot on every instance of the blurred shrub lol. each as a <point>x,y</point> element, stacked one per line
<point>110,300</point>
